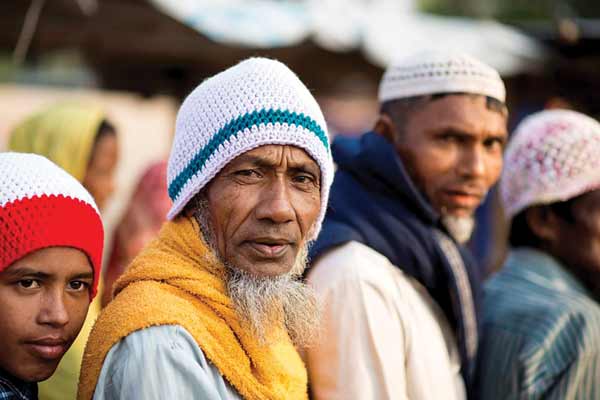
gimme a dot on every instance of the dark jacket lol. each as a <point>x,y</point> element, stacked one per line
<point>373,201</point>
<point>12,388</point>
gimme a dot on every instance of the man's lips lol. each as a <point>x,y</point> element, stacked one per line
<point>463,198</point>
<point>269,247</point>
<point>47,348</point>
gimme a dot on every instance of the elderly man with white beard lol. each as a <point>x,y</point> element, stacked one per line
<point>214,307</point>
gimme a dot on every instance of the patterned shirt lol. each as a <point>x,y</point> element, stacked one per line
<point>541,333</point>
<point>14,389</point>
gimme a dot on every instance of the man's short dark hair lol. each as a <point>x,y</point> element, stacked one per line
<point>521,235</point>
<point>399,109</point>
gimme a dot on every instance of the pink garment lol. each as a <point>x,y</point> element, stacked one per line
<point>140,223</point>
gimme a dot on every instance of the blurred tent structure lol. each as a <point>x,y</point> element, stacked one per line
<point>167,46</point>
<point>381,29</point>
<point>338,47</point>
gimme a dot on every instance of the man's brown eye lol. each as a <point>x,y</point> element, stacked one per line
<point>303,179</point>
<point>247,172</point>
<point>493,143</point>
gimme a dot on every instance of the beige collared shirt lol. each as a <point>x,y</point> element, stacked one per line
<point>383,336</point>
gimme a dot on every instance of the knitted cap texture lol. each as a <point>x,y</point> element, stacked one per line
<point>43,206</point>
<point>438,72</point>
<point>254,103</point>
<point>553,156</point>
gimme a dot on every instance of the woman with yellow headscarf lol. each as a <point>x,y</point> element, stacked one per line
<point>79,139</point>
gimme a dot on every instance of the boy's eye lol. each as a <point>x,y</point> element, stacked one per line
<point>78,285</point>
<point>29,283</point>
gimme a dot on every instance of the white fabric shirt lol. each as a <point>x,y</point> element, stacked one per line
<point>157,363</point>
<point>383,336</point>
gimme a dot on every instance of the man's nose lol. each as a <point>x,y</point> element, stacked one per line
<point>275,203</point>
<point>53,310</point>
<point>473,163</point>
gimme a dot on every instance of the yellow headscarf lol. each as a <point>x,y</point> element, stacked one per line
<point>63,133</point>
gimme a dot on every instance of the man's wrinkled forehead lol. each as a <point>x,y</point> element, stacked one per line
<point>276,156</point>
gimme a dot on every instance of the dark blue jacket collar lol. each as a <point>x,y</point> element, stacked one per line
<point>373,201</point>
<point>373,160</point>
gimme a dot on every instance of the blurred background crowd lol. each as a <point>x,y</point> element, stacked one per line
<point>125,65</point>
<point>137,59</point>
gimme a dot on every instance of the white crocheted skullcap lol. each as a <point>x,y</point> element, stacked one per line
<point>553,156</point>
<point>254,103</point>
<point>429,73</point>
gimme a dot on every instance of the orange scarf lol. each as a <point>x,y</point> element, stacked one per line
<point>177,281</point>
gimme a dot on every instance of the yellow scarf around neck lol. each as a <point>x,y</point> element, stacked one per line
<point>176,280</point>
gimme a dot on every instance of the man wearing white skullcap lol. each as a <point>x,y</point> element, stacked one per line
<point>400,293</point>
<point>541,314</point>
<point>214,308</point>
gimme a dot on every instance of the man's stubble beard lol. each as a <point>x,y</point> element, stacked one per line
<point>267,304</point>
<point>459,228</point>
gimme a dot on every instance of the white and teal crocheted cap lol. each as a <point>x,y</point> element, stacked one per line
<point>254,103</point>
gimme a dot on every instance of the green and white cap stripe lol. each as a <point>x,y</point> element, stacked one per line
<point>254,103</point>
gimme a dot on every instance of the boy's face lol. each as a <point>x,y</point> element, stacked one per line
<point>44,298</point>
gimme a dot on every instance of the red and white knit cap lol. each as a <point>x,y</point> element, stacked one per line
<point>43,206</point>
<point>553,156</point>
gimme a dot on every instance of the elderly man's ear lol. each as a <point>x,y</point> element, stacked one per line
<point>544,223</point>
<point>189,210</point>
<point>193,204</point>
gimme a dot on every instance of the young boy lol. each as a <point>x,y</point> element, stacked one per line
<point>51,239</point>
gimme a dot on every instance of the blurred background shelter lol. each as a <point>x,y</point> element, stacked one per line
<point>339,48</point>
<point>139,58</point>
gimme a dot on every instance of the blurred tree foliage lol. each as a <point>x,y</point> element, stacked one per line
<point>514,10</point>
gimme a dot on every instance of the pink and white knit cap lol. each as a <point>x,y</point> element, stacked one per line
<point>553,156</point>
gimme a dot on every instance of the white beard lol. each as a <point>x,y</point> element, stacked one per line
<point>460,228</point>
<point>266,302</point>
<point>282,301</point>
